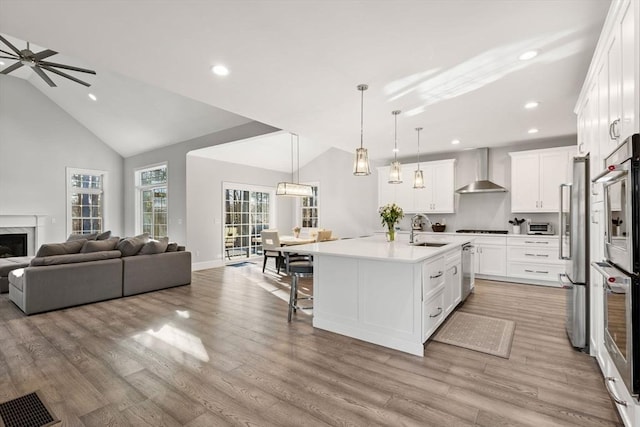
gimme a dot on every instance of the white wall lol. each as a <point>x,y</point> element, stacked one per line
<point>205,178</point>
<point>176,158</point>
<point>38,141</point>
<point>485,210</point>
<point>346,201</point>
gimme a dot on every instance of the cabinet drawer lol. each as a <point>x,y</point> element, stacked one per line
<point>534,254</point>
<point>432,276</point>
<point>534,241</point>
<point>526,270</point>
<point>433,314</point>
<point>487,240</point>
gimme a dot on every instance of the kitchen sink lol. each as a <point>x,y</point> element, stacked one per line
<point>430,244</point>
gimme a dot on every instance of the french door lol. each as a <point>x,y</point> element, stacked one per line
<point>247,211</point>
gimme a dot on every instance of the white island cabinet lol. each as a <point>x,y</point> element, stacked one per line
<point>391,294</point>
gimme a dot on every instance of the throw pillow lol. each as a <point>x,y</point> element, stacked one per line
<point>132,245</point>
<point>155,247</point>
<point>172,247</point>
<point>104,236</point>
<point>99,245</point>
<point>50,249</point>
<point>73,237</point>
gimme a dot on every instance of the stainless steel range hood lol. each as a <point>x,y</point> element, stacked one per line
<point>482,183</point>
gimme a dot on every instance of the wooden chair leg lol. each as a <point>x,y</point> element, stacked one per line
<point>292,296</point>
<point>264,264</point>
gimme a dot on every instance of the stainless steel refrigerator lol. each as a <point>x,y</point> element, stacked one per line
<point>574,248</point>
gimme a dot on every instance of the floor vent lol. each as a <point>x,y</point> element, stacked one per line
<point>26,411</point>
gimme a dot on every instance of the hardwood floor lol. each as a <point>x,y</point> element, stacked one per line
<point>220,352</point>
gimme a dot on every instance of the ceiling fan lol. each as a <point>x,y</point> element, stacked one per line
<point>35,61</point>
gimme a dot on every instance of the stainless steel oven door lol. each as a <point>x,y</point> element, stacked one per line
<point>618,326</point>
<point>617,207</point>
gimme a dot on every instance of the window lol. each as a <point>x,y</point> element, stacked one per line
<point>85,195</point>
<point>247,211</point>
<point>308,210</point>
<point>152,201</point>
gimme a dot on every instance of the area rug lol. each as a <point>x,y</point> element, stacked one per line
<point>241,264</point>
<point>480,333</point>
<point>29,410</point>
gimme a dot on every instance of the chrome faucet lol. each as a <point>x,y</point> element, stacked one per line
<point>419,215</point>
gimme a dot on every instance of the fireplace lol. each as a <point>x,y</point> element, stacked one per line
<point>13,245</point>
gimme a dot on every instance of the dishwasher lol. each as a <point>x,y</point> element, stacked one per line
<point>468,275</point>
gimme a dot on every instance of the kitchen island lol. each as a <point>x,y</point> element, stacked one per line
<point>392,294</point>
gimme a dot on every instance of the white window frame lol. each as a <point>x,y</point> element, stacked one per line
<point>140,188</point>
<point>245,187</point>
<point>305,230</point>
<point>70,171</point>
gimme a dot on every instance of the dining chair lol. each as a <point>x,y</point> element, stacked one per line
<point>323,235</point>
<point>271,248</point>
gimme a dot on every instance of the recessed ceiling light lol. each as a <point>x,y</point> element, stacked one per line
<point>530,105</point>
<point>92,97</point>
<point>533,130</point>
<point>220,70</point>
<point>455,142</point>
<point>528,55</point>
<point>1,63</point>
<point>395,150</point>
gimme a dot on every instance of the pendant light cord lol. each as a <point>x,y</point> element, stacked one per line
<point>418,130</point>
<point>361,116</point>
<point>298,154</point>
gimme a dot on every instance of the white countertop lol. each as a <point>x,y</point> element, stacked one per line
<point>377,248</point>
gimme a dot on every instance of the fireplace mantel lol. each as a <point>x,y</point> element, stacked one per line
<point>34,224</point>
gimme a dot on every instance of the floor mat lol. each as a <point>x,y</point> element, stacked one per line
<point>241,264</point>
<point>480,333</point>
<point>26,411</point>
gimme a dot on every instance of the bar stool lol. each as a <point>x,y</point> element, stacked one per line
<point>297,266</point>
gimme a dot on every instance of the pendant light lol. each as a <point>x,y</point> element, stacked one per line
<point>418,177</point>
<point>294,189</point>
<point>395,174</point>
<point>361,161</point>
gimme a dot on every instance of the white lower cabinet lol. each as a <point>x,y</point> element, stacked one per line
<point>453,280</point>
<point>442,289</point>
<point>627,406</point>
<point>433,312</point>
<point>534,259</point>
<point>491,256</point>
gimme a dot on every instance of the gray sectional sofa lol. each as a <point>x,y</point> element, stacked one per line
<point>84,271</point>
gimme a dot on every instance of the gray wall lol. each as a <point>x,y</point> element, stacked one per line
<point>488,210</point>
<point>346,201</point>
<point>38,140</point>
<point>205,178</point>
<point>176,157</point>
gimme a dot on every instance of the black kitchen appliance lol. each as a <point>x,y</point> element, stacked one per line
<point>621,268</point>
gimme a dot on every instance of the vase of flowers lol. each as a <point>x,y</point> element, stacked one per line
<point>296,231</point>
<point>516,225</point>
<point>391,215</point>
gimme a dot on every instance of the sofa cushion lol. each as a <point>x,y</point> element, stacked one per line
<point>69,247</point>
<point>172,247</point>
<point>155,246</point>
<point>73,237</point>
<point>132,245</point>
<point>74,258</point>
<point>13,263</point>
<point>104,235</point>
<point>99,245</point>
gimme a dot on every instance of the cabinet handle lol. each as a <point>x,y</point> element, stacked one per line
<point>536,271</point>
<point>543,255</point>
<point>540,203</point>
<point>440,312</point>
<point>529,254</point>
<point>436,276</point>
<point>614,132</point>
<point>581,147</point>
<point>543,243</point>
<point>615,398</point>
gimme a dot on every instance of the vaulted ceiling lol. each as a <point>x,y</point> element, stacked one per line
<point>451,66</point>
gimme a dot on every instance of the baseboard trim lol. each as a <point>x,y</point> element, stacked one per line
<point>206,264</point>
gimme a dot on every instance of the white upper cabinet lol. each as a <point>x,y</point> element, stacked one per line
<point>436,197</point>
<point>536,176</point>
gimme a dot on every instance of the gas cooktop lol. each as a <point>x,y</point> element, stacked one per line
<point>483,231</point>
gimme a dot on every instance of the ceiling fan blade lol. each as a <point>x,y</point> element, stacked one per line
<point>9,53</point>
<point>13,48</point>
<point>44,76</point>
<point>9,57</point>
<point>11,68</point>
<point>44,54</point>
<point>66,67</point>
<point>60,73</point>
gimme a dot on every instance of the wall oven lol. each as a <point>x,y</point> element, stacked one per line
<point>621,267</point>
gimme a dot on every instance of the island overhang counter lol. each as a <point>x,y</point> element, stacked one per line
<point>392,294</point>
